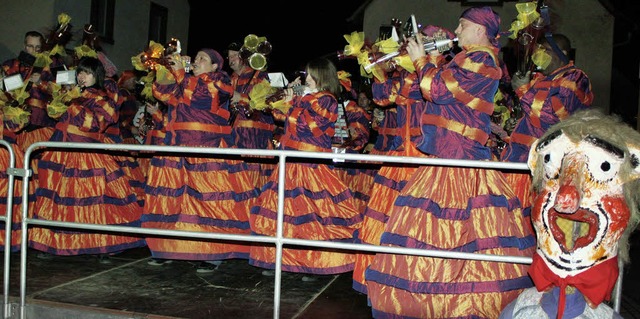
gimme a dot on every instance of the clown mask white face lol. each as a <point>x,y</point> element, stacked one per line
<point>579,212</point>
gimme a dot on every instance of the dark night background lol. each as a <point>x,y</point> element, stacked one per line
<point>296,33</point>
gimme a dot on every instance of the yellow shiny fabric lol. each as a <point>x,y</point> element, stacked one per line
<point>16,219</point>
<point>446,288</point>
<point>314,220</point>
<point>190,211</point>
<point>96,191</point>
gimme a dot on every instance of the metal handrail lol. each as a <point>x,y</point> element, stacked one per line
<point>278,239</point>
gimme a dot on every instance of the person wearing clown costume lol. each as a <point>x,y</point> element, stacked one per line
<point>456,209</point>
<point>351,136</point>
<point>586,176</point>
<point>397,86</point>
<point>318,205</point>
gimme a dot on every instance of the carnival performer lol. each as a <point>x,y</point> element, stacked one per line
<point>197,193</point>
<point>551,95</point>
<point>317,204</point>
<point>450,208</point>
<point>401,87</point>
<point>37,78</point>
<point>250,128</point>
<point>352,138</point>
<point>585,172</point>
<point>129,104</point>
<point>14,118</point>
<point>106,197</point>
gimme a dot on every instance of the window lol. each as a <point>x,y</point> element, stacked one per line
<point>102,12</point>
<point>158,17</point>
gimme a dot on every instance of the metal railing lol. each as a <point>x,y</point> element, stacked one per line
<point>278,240</point>
<point>7,218</point>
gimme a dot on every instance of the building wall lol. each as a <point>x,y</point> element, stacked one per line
<point>131,22</point>
<point>587,24</point>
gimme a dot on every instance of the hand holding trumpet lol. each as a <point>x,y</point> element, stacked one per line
<point>416,45</point>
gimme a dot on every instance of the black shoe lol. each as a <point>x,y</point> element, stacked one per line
<point>44,256</point>
<point>207,267</point>
<point>104,259</point>
<point>269,272</point>
<point>159,262</point>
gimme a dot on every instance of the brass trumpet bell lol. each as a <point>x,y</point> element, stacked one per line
<point>255,50</point>
<point>251,42</point>
<point>245,53</point>
<point>264,47</point>
<point>258,61</point>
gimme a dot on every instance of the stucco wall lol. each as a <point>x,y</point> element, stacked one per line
<point>587,24</point>
<point>130,25</point>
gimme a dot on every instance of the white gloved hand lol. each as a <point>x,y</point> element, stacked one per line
<point>137,119</point>
<point>520,79</point>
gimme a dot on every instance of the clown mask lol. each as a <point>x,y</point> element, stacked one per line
<point>580,210</point>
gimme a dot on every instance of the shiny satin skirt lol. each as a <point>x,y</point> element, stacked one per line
<point>318,205</point>
<point>453,209</point>
<point>202,195</point>
<point>83,187</point>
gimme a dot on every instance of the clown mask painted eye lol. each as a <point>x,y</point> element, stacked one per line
<point>603,161</point>
<point>552,151</point>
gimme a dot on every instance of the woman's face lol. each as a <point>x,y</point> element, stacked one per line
<point>202,64</point>
<point>310,82</point>
<point>86,79</point>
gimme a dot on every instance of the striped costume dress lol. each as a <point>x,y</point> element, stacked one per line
<point>84,187</point>
<point>357,175</point>
<point>453,209</point>
<point>154,136</point>
<point>403,89</point>
<point>7,133</point>
<point>545,101</point>
<point>41,125</point>
<point>318,205</point>
<point>254,130</point>
<point>207,194</point>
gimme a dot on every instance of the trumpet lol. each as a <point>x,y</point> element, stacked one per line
<point>150,59</point>
<point>255,50</point>
<point>442,44</point>
<point>279,94</point>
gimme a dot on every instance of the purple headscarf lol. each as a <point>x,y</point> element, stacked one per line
<point>486,17</point>
<point>215,57</point>
<point>429,30</point>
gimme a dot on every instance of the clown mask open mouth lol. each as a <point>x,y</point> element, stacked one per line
<point>573,231</point>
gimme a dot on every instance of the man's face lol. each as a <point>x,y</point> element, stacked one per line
<point>32,45</point>
<point>235,61</point>
<point>467,32</point>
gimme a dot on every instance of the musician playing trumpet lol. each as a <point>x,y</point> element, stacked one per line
<point>397,91</point>
<point>454,208</point>
<point>219,191</point>
<point>251,128</point>
<point>309,125</point>
<point>554,93</point>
